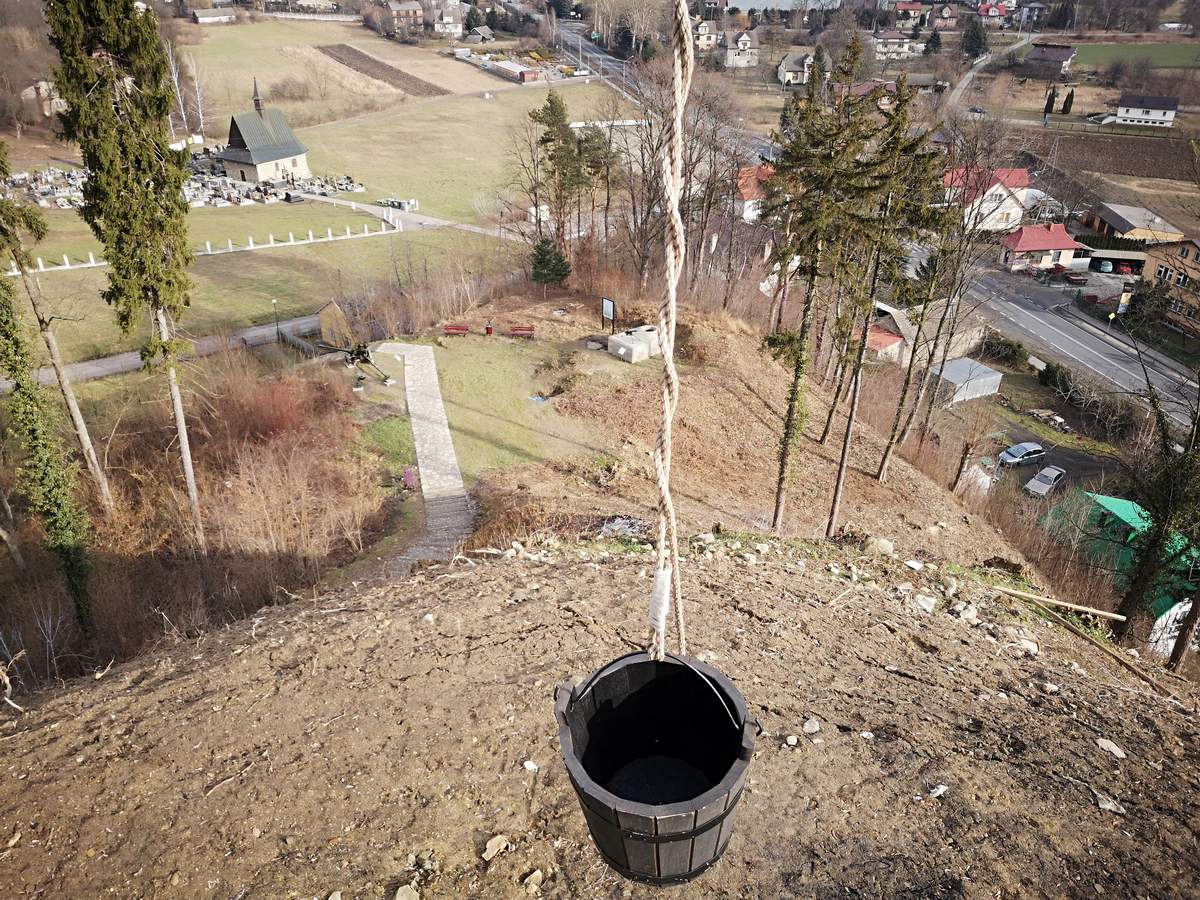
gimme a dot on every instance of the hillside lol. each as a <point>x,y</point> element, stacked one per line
<point>367,740</point>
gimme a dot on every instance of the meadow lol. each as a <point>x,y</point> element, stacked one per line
<point>1161,56</point>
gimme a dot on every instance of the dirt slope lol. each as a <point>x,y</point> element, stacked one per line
<point>365,740</point>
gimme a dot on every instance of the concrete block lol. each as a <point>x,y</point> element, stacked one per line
<point>630,349</point>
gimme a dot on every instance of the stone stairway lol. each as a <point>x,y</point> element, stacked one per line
<point>449,512</point>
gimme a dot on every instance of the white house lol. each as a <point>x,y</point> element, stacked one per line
<point>1039,246</point>
<point>213,16</point>
<point>795,68</point>
<point>446,18</point>
<point>892,45</point>
<point>1156,112</point>
<point>741,49</point>
<point>993,15</point>
<point>991,199</point>
<point>705,36</point>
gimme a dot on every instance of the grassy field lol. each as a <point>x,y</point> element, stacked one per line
<point>229,57</point>
<point>235,291</point>
<point>1161,56</point>
<point>70,235</point>
<point>447,152</point>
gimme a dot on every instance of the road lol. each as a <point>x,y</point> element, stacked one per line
<point>1043,319</point>
<point>955,98</point>
<point>121,363</point>
<point>409,221</point>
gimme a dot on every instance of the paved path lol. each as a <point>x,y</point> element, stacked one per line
<point>955,98</point>
<point>449,513</point>
<point>120,363</point>
<point>407,221</point>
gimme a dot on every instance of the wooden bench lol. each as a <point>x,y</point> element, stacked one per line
<point>459,330</point>
<point>522,331</point>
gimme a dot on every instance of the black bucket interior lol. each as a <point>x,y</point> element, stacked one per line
<point>656,732</point>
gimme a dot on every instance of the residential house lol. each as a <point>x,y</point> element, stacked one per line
<point>741,49</point>
<point>445,17</point>
<point>1033,13</point>
<point>892,45</point>
<point>44,96</point>
<point>993,15</point>
<point>1135,223</point>
<point>910,12</point>
<point>408,16</point>
<point>485,34</point>
<point>752,191</point>
<point>916,335</point>
<point>926,83</point>
<point>795,68</point>
<point>1053,58</point>
<point>1039,247</point>
<point>213,16</point>
<point>705,35</point>
<point>1111,528</point>
<point>992,199</point>
<point>887,91</point>
<point>262,147</point>
<point>945,17</point>
<point>1157,112</point>
<point>1176,264</point>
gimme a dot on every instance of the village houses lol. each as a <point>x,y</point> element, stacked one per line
<point>992,200</point>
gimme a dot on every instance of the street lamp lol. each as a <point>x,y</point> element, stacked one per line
<point>275,313</point>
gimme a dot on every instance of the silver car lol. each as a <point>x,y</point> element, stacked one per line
<point>1026,454</point>
<point>1045,481</point>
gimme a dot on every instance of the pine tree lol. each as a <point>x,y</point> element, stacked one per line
<point>1051,97</point>
<point>1069,102</point>
<point>548,265</point>
<point>974,38</point>
<point>19,223</point>
<point>814,199</point>
<point>113,77</point>
<point>915,32</point>
<point>46,476</point>
<point>565,174</point>
<point>934,44</point>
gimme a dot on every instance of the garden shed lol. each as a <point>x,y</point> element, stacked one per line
<point>966,379</point>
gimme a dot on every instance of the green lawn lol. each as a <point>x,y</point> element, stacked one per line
<point>69,234</point>
<point>235,290</point>
<point>447,152</point>
<point>487,385</point>
<point>1161,56</point>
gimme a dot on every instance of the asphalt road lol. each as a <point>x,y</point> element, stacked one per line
<point>1042,318</point>
<point>121,363</point>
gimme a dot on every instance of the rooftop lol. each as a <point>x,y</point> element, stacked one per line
<point>260,136</point>
<point>1058,53</point>
<point>752,181</point>
<point>1130,218</point>
<point>1034,238</point>
<point>965,370</point>
<point>1139,101</point>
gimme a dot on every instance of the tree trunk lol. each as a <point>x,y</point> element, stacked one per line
<point>929,376</point>
<point>838,392</point>
<point>785,444</point>
<point>8,532</point>
<point>855,391</point>
<point>1135,604</point>
<point>185,446</point>
<point>968,448</point>
<point>898,434</point>
<point>1187,635</point>
<point>34,290</point>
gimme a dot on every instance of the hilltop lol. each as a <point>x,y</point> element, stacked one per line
<point>369,739</point>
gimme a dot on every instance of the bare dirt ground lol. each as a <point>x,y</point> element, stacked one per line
<point>368,740</point>
<point>1177,201</point>
<point>355,59</point>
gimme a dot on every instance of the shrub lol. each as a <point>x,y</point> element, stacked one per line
<point>1007,350</point>
<point>290,89</point>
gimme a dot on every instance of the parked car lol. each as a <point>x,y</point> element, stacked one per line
<point>978,110</point>
<point>1045,481</point>
<point>1102,265</point>
<point>1024,454</point>
<point>389,201</point>
<point>1076,278</point>
<point>1123,268</point>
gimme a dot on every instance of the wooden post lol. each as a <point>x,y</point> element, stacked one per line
<point>91,259</point>
<point>250,239</point>
<point>229,248</point>
<point>291,238</point>
<point>329,234</point>
<point>310,237</point>
<point>66,261</point>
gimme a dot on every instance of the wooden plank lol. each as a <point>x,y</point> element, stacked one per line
<point>1013,592</point>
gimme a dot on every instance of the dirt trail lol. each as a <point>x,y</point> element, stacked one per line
<point>363,741</point>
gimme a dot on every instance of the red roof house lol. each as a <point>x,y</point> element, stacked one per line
<point>993,10</point>
<point>1039,247</point>
<point>992,199</point>
<point>752,190</point>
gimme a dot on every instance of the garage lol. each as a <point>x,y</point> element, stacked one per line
<point>966,379</point>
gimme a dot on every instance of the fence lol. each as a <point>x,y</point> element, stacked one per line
<point>315,17</point>
<point>385,227</point>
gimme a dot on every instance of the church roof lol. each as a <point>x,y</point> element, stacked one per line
<point>257,138</point>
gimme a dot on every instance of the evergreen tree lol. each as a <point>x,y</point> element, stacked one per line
<point>19,223</point>
<point>1051,97</point>
<point>46,476</point>
<point>548,265</point>
<point>974,38</point>
<point>1069,102</point>
<point>493,19</point>
<point>823,175</point>
<point>934,44</point>
<point>113,77</point>
<point>915,33</point>
<point>565,175</point>
<point>474,19</point>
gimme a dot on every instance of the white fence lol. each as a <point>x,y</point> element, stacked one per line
<point>315,17</point>
<point>230,247</point>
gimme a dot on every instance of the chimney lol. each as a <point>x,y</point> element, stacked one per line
<point>258,100</point>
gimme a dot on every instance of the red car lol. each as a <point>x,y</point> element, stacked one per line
<point>1123,268</point>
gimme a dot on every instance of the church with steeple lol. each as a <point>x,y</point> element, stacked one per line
<point>262,146</point>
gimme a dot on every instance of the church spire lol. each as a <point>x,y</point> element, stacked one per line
<point>258,100</point>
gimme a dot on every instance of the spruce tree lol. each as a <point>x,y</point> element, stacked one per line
<point>548,265</point>
<point>815,198</point>
<point>565,174</point>
<point>934,44</point>
<point>1069,102</point>
<point>113,77</point>
<point>974,38</point>
<point>46,476</point>
<point>20,223</point>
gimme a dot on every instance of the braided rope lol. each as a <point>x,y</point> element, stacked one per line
<point>667,585</point>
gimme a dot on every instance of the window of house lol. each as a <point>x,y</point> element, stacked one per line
<point>1174,305</point>
<point>1183,251</point>
<point>1181,279</point>
<point>1145,112</point>
<point>1162,273</point>
<point>1056,256</point>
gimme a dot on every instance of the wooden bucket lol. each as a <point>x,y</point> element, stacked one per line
<point>658,753</point>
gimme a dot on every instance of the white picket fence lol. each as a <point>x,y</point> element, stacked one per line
<point>209,249</point>
<point>314,17</point>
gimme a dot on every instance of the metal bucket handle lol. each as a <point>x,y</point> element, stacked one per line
<point>590,683</point>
